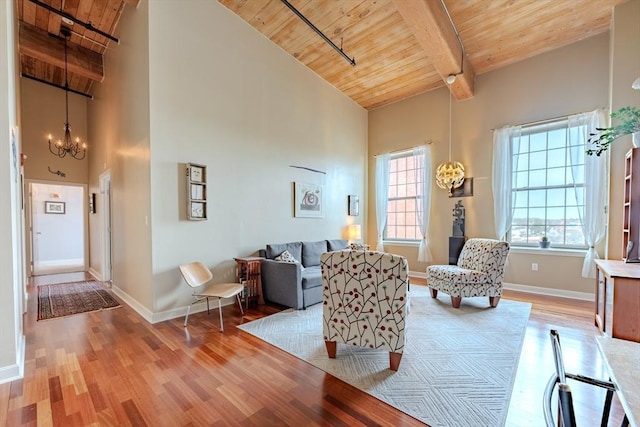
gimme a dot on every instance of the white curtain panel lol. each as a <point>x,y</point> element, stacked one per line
<point>424,178</point>
<point>502,177</point>
<point>382,196</point>
<point>596,176</point>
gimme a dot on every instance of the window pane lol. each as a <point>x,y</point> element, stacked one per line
<point>538,142</point>
<point>574,236</point>
<point>573,215</point>
<point>537,178</point>
<point>538,160</point>
<point>537,198</point>
<point>555,197</point>
<point>521,179</point>
<point>557,138</point>
<point>556,158</point>
<point>555,176</point>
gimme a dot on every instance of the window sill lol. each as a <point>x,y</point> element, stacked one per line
<point>578,253</point>
<point>402,243</point>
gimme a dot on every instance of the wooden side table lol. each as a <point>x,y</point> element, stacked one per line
<point>618,299</point>
<point>248,269</point>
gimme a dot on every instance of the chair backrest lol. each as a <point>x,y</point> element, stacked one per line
<point>366,289</point>
<point>486,255</point>
<point>557,355</point>
<point>195,274</point>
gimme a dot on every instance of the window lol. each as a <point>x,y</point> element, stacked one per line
<point>402,221</point>
<point>548,186</point>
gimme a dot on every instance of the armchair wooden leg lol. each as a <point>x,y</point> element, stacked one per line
<point>434,292</point>
<point>394,360</point>
<point>331,348</point>
<point>455,302</point>
<point>493,301</point>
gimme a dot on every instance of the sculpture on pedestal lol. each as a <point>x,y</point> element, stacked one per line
<point>456,241</point>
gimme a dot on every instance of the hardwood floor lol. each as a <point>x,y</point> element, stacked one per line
<point>113,368</point>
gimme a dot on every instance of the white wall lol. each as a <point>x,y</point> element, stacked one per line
<point>43,113</point>
<point>225,96</point>
<point>11,227</point>
<point>218,93</point>
<point>625,68</point>
<point>565,81</point>
<point>119,128</point>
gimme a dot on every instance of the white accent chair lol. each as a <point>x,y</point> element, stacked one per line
<point>480,272</point>
<point>196,275</point>
<point>365,301</point>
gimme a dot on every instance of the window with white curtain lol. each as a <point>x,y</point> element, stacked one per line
<point>402,223</point>
<point>548,186</point>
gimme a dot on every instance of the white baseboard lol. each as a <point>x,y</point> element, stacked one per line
<point>15,371</point>
<point>133,303</point>
<point>540,290</point>
<point>585,296</point>
<point>95,274</point>
<point>161,316</point>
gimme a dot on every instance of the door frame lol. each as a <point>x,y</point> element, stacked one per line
<point>105,226</point>
<point>29,217</point>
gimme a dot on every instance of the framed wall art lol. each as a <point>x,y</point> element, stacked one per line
<point>196,192</point>
<point>354,205</point>
<point>54,207</point>
<point>308,200</point>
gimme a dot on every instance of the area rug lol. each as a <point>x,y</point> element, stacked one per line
<point>65,299</point>
<point>458,366</point>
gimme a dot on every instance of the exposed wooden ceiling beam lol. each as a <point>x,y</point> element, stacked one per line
<point>39,44</point>
<point>430,24</point>
<point>133,3</point>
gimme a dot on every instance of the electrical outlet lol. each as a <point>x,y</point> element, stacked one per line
<point>534,266</point>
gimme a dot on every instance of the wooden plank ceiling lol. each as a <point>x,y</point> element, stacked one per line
<point>41,46</point>
<point>401,47</point>
<point>406,47</point>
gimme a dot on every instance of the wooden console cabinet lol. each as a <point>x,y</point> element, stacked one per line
<point>618,299</point>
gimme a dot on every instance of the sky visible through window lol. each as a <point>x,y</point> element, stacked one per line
<point>548,191</point>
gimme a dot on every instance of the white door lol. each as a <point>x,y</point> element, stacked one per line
<point>57,228</point>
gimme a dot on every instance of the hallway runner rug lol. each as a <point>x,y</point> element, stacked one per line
<point>65,299</point>
<point>458,366</point>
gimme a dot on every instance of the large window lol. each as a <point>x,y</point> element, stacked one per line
<point>548,187</point>
<point>402,221</point>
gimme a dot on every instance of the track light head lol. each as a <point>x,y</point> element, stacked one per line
<point>451,78</point>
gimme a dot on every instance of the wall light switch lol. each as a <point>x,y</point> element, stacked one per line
<point>534,266</point>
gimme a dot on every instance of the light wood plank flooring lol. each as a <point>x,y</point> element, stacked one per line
<point>113,368</point>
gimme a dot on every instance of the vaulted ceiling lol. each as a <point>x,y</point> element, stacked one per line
<point>401,47</point>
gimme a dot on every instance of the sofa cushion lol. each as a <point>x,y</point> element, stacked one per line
<point>311,252</point>
<point>337,244</point>
<point>294,248</point>
<point>312,277</point>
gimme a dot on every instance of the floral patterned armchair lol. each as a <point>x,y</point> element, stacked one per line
<point>479,272</point>
<point>364,301</point>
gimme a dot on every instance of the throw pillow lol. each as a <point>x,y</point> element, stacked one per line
<point>288,258</point>
<point>357,247</point>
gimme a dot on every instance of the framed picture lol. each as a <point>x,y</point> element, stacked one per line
<point>308,200</point>
<point>197,192</point>
<point>54,207</point>
<point>196,173</point>
<point>354,205</point>
<point>198,210</point>
<point>465,190</point>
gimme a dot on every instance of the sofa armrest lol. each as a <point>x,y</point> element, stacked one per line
<point>282,283</point>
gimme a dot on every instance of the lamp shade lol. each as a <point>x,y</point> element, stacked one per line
<point>450,175</point>
<point>354,232</point>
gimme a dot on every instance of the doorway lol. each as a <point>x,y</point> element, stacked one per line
<point>58,228</point>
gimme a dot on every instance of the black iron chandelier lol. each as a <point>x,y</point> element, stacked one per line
<point>68,146</point>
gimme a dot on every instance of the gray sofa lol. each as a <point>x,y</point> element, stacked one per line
<point>289,284</point>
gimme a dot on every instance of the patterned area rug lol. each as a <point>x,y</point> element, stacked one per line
<point>458,365</point>
<point>65,299</point>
